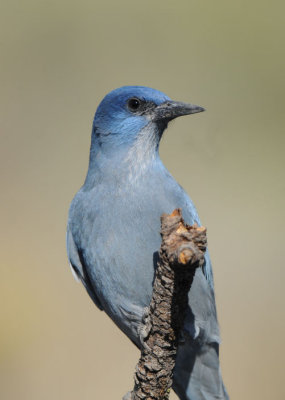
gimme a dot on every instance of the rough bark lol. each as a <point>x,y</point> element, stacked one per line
<point>181,252</point>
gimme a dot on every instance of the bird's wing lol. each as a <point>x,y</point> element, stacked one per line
<point>201,317</point>
<point>78,268</point>
<point>201,320</point>
<point>190,216</point>
<point>207,270</point>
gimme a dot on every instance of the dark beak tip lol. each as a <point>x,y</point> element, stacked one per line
<point>194,109</point>
<point>200,109</point>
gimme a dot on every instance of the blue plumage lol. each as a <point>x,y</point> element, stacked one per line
<point>113,230</point>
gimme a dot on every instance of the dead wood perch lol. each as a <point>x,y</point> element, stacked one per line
<point>181,252</point>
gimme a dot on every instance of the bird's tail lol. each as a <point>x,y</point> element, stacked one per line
<point>197,374</point>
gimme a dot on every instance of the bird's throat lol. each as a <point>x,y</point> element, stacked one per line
<point>129,162</point>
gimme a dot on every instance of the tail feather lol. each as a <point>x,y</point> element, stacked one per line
<point>197,374</point>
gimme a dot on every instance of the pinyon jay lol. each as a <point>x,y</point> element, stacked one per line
<point>113,233</point>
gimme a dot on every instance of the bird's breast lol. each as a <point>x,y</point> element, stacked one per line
<point>120,235</point>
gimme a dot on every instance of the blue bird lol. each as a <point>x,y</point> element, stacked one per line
<point>113,233</point>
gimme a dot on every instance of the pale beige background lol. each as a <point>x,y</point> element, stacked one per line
<point>58,59</point>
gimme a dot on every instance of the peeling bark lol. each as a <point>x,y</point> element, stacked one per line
<point>181,252</point>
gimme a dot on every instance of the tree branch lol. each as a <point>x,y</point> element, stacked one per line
<point>181,252</point>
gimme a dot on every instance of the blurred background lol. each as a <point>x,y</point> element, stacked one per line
<point>58,59</point>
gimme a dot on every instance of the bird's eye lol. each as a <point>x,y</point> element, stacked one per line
<point>134,104</point>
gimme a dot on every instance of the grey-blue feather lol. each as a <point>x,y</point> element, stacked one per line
<point>113,230</point>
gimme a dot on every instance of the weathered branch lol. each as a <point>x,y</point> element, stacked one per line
<point>181,252</point>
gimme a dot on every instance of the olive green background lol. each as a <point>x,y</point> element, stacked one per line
<point>58,59</point>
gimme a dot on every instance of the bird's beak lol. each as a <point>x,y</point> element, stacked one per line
<point>173,109</point>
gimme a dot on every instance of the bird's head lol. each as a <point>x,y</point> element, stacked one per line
<point>135,111</point>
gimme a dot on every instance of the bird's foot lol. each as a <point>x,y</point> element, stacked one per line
<point>182,338</point>
<point>128,396</point>
<point>144,328</point>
